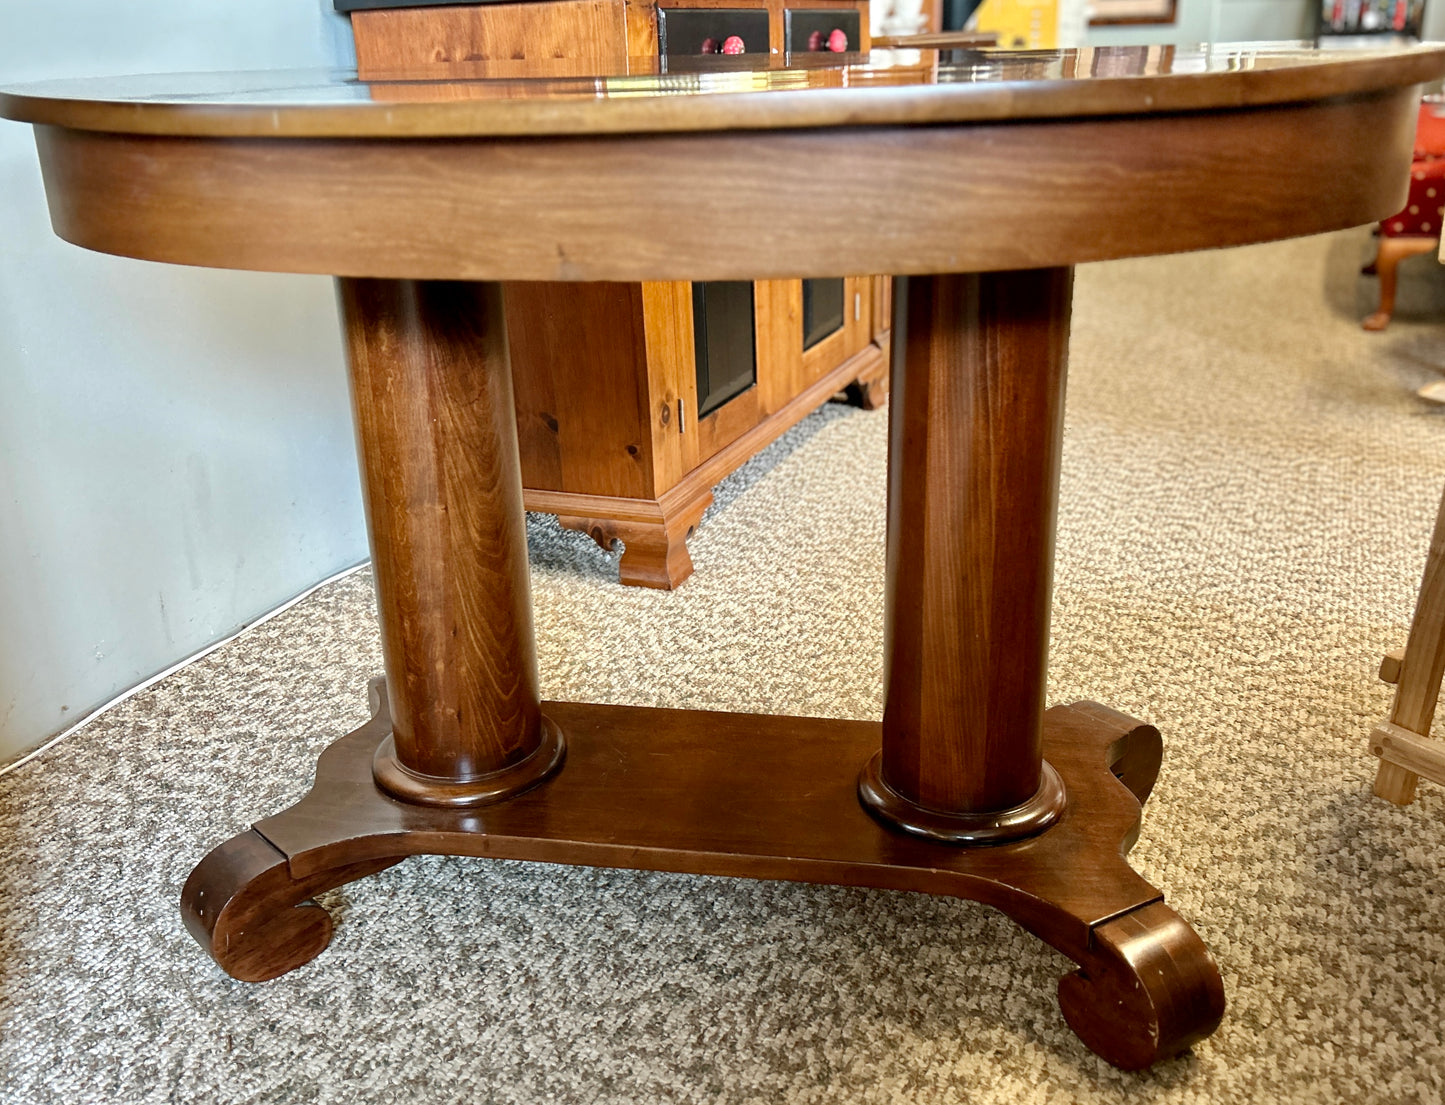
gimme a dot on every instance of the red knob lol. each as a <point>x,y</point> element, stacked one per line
<point>709,46</point>
<point>733,45</point>
<point>815,42</point>
<point>837,41</point>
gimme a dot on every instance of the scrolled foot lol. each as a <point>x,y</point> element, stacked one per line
<point>242,905</point>
<point>1136,755</point>
<point>1147,990</point>
<point>1378,321</point>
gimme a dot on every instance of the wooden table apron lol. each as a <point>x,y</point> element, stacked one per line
<point>974,789</point>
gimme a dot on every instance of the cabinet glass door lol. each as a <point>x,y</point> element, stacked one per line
<point>723,338</point>
<point>822,310</point>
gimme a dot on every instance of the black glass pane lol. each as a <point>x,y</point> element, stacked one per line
<point>822,310</point>
<point>722,331</point>
<point>821,30</point>
<point>956,13</point>
<point>684,31</point>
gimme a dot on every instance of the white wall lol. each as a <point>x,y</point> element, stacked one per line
<point>1434,28</point>
<point>1222,21</point>
<point>175,444</point>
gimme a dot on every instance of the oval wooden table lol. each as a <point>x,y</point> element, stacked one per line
<point>980,178</point>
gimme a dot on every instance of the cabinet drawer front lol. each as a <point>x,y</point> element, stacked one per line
<point>811,30</point>
<point>683,32</point>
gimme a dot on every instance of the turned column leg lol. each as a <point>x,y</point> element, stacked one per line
<point>437,437</point>
<point>975,437</point>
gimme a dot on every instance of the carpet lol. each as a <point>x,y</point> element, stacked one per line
<point>1248,488</point>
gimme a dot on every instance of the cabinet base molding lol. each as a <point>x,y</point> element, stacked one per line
<point>654,551</point>
<point>654,532</point>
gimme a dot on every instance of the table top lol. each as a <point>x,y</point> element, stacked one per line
<point>905,162</point>
<point>885,88</point>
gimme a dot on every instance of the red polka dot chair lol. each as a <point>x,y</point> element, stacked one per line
<point>1416,227</point>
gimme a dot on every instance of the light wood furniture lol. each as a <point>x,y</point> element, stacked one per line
<point>635,457</point>
<point>609,35</point>
<point>1403,742</point>
<point>615,437</point>
<point>985,185</point>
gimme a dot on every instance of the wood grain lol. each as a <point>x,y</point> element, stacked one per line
<point>391,41</point>
<point>604,383</point>
<point>579,362</point>
<point>975,438</point>
<point>1418,689</point>
<point>432,397</point>
<point>1148,989</point>
<point>655,551</point>
<point>659,529</point>
<point>756,797</point>
<point>1395,783</point>
<point>272,928</point>
<point>570,208</point>
<point>542,183</point>
<point>718,429</point>
<point>1402,742</point>
<point>671,376</point>
<point>1419,755</point>
<point>711,469</point>
<point>747,796</point>
<point>779,304</point>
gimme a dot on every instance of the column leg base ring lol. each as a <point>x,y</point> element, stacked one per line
<point>984,827</point>
<point>399,781</point>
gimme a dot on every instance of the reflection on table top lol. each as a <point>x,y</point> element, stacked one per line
<point>722,93</point>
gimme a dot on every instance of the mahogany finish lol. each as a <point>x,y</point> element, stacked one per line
<point>275,926</point>
<point>432,395</point>
<point>975,439</point>
<point>754,797</point>
<point>1147,988</point>
<point>546,181</point>
<point>570,208</point>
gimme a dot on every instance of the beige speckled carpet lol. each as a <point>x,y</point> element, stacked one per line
<point>1249,483</point>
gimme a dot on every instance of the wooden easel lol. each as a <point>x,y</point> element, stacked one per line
<point>1403,742</point>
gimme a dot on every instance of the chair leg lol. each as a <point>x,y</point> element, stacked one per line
<point>1387,259</point>
<point>1417,689</point>
<point>1395,783</point>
